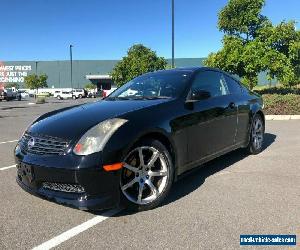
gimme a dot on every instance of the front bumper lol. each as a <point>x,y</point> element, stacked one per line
<point>101,188</point>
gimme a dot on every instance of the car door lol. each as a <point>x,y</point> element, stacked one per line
<point>212,121</point>
<point>243,108</point>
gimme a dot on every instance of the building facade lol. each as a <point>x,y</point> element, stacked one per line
<point>83,71</point>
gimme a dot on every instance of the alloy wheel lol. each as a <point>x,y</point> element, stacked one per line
<point>145,175</point>
<point>257,133</point>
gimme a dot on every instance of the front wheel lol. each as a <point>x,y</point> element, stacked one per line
<point>257,132</point>
<point>147,175</point>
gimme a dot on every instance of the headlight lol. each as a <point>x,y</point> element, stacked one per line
<point>95,139</point>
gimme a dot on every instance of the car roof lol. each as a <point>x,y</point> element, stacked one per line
<point>196,69</point>
<point>189,69</point>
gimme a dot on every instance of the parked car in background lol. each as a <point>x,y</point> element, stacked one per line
<point>108,92</point>
<point>56,93</point>
<point>95,94</point>
<point>24,94</point>
<point>44,93</point>
<point>7,94</point>
<point>78,93</point>
<point>64,95</point>
<point>18,96</point>
<point>2,95</point>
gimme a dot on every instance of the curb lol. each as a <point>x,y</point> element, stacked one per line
<point>282,117</point>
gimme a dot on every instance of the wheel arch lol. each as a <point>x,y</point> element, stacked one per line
<point>261,114</point>
<point>162,137</point>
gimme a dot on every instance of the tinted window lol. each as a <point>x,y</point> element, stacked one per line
<point>155,85</point>
<point>233,86</point>
<point>210,81</point>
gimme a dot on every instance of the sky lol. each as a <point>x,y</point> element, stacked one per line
<point>105,29</point>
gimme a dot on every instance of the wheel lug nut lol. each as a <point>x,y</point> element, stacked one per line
<point>147,176</point>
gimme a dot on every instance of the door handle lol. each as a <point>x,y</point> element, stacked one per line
<point>231,105</point>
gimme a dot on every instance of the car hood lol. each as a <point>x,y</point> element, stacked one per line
<point>71,123</point>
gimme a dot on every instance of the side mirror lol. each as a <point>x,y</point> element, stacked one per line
<point>198,95</point>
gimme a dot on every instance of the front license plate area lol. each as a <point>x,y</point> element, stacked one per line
<point>25,172</point>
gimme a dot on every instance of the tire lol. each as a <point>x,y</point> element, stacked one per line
<point>74,97</point>
<point>256,135</point>
<point>80,96</point>
<point>58,97</point>
<point>145,184</point>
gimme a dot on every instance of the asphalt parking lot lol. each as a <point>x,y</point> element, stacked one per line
<point>208,209</point>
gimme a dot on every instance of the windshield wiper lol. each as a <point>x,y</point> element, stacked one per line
<point>156,97</point>
<point>114,98</point>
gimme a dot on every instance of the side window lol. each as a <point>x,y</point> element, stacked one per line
<point>210,81</point>
<point>233,86</point>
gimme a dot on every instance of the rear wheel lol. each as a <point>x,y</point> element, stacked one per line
<point>147,175</point>
<point>256,135</point>
<point>74,97</point>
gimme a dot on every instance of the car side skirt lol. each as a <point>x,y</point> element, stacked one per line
<point>200,162</point>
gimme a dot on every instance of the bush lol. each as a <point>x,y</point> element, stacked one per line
<point>44,94</point>
<point>278,90</point>
<point>40,100</point>
<point>282,104</point>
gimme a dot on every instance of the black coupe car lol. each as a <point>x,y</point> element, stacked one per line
<point>130,147</point>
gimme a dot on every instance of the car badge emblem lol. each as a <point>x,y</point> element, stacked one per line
<point>31,143</point>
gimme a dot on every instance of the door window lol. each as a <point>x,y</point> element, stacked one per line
<point>212,82</point>
<point>233,86</point>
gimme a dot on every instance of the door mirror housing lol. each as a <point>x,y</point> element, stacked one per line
<point>197,95</point>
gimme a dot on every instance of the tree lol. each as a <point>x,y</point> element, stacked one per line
<point>35,82</point>
<point>283,57</point>
<point>90,86</point>
<point>12,85</point>
<point>251,44</point>
<point>139,60</point>
<point>241,18</point>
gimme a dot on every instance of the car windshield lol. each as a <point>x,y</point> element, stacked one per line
<point>158,85</point>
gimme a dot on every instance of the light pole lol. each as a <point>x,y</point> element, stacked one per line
<point>173,63</point>
<point>71,69</point>
<point>36,63</point>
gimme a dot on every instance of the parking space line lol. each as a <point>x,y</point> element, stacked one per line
<point>3,142</point>
<point>12,166</point>
<point>76,230</point>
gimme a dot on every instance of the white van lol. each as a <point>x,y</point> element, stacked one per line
<point>78,93</point>
<point>64,95</point>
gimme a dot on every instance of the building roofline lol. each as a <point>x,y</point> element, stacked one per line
<point>98,77</point>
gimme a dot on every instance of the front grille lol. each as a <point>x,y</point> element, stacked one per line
<point>63,187</point>
<point>42,145</point>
